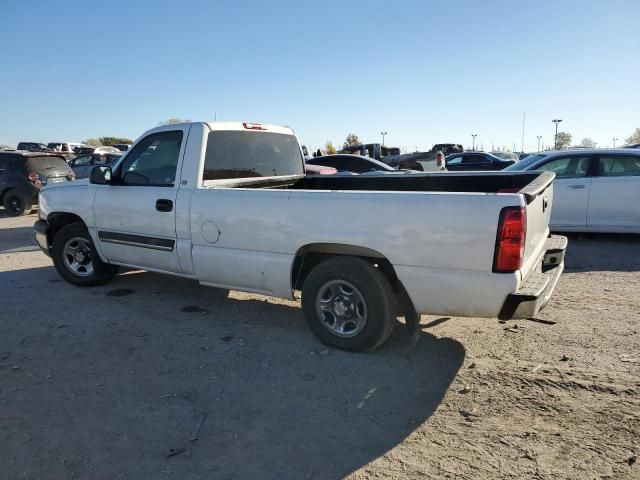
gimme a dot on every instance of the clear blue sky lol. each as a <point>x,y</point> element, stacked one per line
<point>424,71</point>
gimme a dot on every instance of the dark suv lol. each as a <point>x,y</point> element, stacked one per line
<point>22,174</point>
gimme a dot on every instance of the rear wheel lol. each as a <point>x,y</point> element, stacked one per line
<point>348,304</point>
<point>16,204</point>
<point>76,260</point>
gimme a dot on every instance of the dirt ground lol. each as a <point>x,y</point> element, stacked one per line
<point>116,382</point>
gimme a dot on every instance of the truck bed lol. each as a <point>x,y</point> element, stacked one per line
<point>528,184</point>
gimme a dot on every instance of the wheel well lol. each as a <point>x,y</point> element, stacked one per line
<point>58,220</point>
<point>310,256</point>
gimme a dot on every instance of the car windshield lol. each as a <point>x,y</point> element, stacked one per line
<point>505,155</point>
<point>527,162</point>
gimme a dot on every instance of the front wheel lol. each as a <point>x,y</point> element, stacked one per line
<point>76,260</point>
<point>348,304</point>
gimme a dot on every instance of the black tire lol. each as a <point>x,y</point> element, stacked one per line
<point>96,272</point>
<point>16,204</point>
<point>371,286</point>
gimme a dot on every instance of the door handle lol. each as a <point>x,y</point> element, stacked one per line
<point>164,205</point>
<point>575,186</point>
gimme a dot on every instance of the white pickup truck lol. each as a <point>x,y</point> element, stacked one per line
<point>229,205</point>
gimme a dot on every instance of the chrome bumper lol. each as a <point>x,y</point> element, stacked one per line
<point>536,290</point>
<point>40,228</point>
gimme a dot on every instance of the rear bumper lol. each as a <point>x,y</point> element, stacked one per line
<point>40,228</point>
<point>536,290</point>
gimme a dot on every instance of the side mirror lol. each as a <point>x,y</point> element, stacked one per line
<point>100,175</point>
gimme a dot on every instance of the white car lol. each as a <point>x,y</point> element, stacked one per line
<point>595,190</point>
<point>228,204</point>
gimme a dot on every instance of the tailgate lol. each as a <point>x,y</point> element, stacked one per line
<point>539,197</point>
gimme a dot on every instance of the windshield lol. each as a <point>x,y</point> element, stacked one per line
<point>527,162</point>
<point>240,154</point>
<point>505,155</point>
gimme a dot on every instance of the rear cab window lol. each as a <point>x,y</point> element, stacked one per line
<point>234,154</point>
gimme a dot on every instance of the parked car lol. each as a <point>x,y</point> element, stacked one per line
<point>506,155</point>
<point>65,147</point>
<point>22,174</point>
<point>32,147</point>
<point>596,190</point>
<point>106,150</point>
<point>351,163</point>
<point>229,205</point>
<point>5,147</point>
<point>632,145</point>
<point>83,164</point>
<point>123,147</point>
<point>477,161</point>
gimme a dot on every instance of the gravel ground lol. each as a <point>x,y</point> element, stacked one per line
<point>157,377</point>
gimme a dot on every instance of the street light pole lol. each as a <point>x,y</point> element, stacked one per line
<point>555,142</point>
<point>524,116</point>
<point>614,141</point>
<point>383,135</point>
<point>539,138</point>
<point>473,146</point>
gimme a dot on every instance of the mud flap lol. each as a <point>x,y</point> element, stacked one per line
<point>411,317</point>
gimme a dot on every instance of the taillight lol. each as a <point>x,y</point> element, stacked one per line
<point>35,179</point>
<point>254,126</point>
<point>512,232</point>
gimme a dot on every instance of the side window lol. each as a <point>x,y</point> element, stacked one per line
<point>454,160</point>
<point>575,166</point>
<point>359,166</point>
<point>619,165</point>
<point>335,162</point>
<point>81,161</point>
<point>474,158</point>
<point>5,160</point>
<point>153,161</point>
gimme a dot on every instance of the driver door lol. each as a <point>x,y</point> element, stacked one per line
<point>135,218</point>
